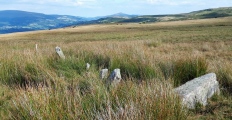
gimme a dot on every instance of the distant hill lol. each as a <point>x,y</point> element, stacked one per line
<point>114,18</point>
<point>210,13</point>
<point>202,14</point>
<point>20,21</point>
<point>121,15</point>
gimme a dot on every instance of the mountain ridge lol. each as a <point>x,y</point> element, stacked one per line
<point>200,14</point>
<point>20,21</point>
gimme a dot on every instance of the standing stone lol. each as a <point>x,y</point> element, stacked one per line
<point>115,76</point>
<point>198,90</point>
<point>36,47</point>
<point>103,73</point>
<point>59,52</point>
<point>87,66</point>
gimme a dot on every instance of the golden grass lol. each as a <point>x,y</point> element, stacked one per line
<point>141,44</point>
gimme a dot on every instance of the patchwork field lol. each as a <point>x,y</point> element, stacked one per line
<point>153,58</point>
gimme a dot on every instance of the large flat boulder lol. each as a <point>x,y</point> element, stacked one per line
<point>198,90</point>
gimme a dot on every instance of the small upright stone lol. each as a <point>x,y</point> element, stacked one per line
<point>103,73</point>
<point>115,76</point>
<point>87,66</point>
<point>36,47</point>
<point>59,52</point>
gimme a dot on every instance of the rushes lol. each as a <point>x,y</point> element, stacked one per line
<point>23,74</point>
<point>70,67</point>
<point>133,69</point>
<point>188,69</point>
<point>166,69</point>
<point>225,78</point>
<point>183,70</point>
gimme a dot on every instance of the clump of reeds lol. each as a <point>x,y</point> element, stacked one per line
<point>188,69</point>
<point>224,75</point>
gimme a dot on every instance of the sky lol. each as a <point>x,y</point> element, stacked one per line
<point>93,8</point>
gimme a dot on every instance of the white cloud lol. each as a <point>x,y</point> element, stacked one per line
<point>59,2</point>
<point>173,2</point>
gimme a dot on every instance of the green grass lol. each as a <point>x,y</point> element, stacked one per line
<point>133,69</point>
<point>188,69</point>
<point>225,79</point>
<point>13,73</point>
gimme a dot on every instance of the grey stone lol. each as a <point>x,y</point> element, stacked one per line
<point>36,47</point>
<point>115,76</point>
<point>198,90</point>
<point>103,73</point>
<point>87,66</point>
<point>59,52</point>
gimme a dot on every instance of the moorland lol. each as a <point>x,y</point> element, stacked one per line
<point>154,58</point>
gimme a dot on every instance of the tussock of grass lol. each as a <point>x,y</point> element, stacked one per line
<point>70,67</point>
<point>225,79</point>
<point>98,60</point>
<point>166,69</point>
<point>184,70</point>
<point>133,69</point>
<point>188,69</point>
<point>25,74</point>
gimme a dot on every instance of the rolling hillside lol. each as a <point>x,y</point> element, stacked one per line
<point>202,14</point>
<point>20,21</point>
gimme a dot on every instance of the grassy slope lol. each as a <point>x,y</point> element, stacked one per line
<point>201,14</point>
<point>136,45</point>
<point>211,13</point>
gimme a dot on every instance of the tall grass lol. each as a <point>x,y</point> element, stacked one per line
<point>127,101</point>
<point>183,70</point>
<point>23,73</point>
<point>188,69</point>
<point>75,95</point>
<point>64,89</point>
<point>167,69</point>
<point>133,69</point>
<point>225,78</point>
